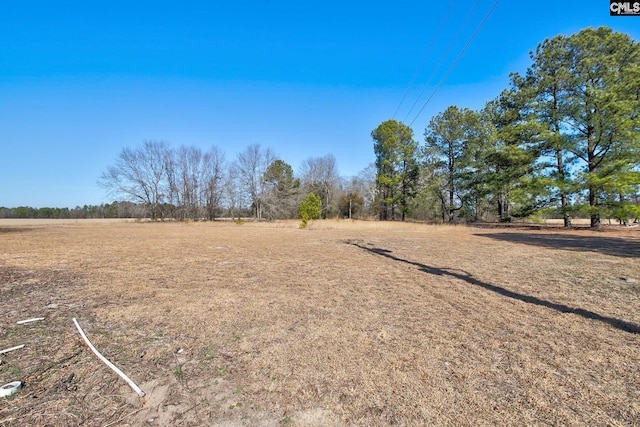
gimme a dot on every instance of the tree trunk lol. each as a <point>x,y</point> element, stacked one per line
<point>564,202</point>
<point>451,205</point>
<point>507,212</point>
<point>565,214</point>
<point>595,215</point>
<point>382,214</point>
<point>593,190</point>
<point>476,215</point>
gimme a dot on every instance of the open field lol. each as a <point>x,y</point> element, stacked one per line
<point>346,323</point>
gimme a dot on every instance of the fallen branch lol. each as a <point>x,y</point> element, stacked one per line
<point>109,364</point>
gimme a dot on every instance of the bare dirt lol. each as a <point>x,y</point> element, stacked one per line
<point>345,323</point>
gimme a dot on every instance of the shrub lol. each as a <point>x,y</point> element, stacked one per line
<point>309,208</point>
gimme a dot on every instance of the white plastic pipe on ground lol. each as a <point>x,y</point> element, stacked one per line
<point>109,364</point>
<point>7,350</point>
<point>35,319</point>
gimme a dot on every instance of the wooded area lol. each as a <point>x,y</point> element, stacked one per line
<point>562,140</point>
<point>186,183</point>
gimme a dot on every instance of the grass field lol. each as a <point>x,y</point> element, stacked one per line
<point>345,323</point>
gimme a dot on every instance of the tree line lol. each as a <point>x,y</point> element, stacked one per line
<point>563,138</point>
<point>189,183</point>
<point>105,210</point>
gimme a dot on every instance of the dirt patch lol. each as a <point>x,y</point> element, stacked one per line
<point>346,323</point>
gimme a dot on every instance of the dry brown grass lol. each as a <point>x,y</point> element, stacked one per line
<point>346,323</point>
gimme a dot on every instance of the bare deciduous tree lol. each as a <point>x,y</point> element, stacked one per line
<point>250,167</point>
<point>365,185</point>
<point>139,175</point>
<point>213,181</point>
<point>357,193</point>
<point>195,179</point>
<point>320,176</point>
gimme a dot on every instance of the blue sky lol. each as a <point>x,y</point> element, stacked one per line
<point>80,80</point>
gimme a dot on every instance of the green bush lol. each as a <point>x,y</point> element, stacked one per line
<point>309,208</point>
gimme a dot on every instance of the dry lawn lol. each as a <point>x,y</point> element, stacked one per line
<point>354,324</point>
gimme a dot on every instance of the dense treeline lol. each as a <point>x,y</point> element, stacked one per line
<point>113,210</point>
<point>108,210</point>
<point>564,138</point>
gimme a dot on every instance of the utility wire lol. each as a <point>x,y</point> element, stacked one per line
<point>456,60</point>
<point>425,56</point>
<point>442,58</point>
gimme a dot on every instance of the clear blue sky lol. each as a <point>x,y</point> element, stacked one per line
<point>80,80</point>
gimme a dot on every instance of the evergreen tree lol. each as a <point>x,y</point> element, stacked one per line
<point>281,190</point>
<point>449,138</point>
<point>397,168</point>
<point>587,91</point>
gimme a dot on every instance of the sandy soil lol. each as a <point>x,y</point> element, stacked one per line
<point>345,323</point>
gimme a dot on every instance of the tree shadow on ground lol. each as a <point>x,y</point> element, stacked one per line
<point>615,246</point>
<point>465,276</point>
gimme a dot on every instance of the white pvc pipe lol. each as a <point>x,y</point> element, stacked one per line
<point>109,364</point>
<point>35,319</point>
<point>7,350</point>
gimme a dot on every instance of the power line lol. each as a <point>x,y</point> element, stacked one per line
<point>442,58</point>
<point>456,60</point>
<point>425,56</point>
